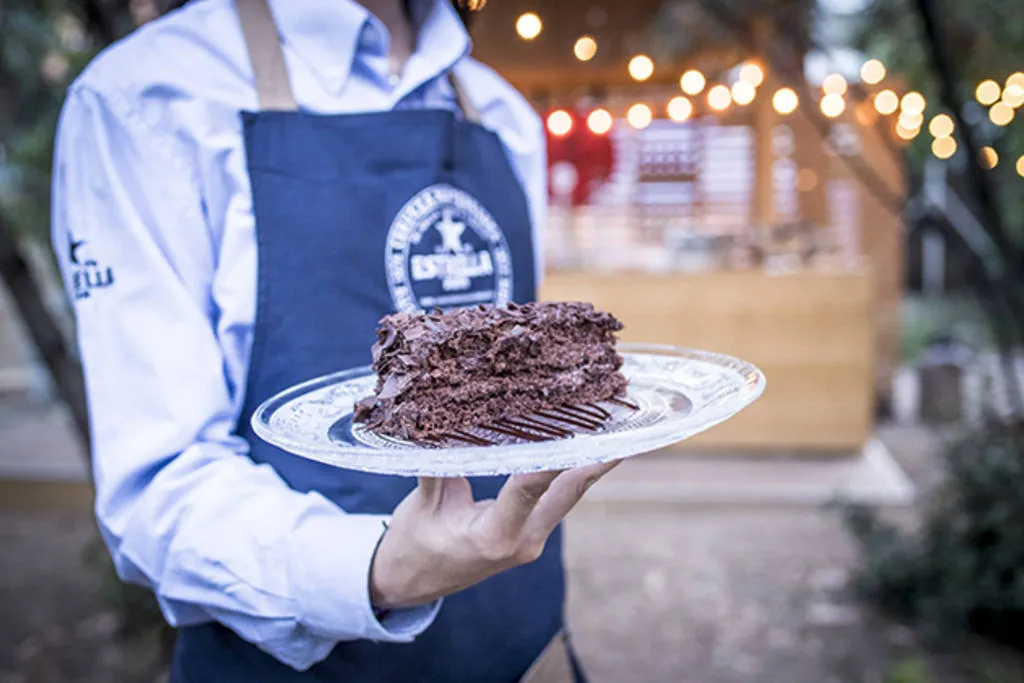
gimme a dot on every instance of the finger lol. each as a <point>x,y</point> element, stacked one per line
<point>516,501</point>
<point>563,494</point>
<point>442,490</point>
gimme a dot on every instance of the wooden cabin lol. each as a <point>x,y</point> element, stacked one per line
<point>745,229</point>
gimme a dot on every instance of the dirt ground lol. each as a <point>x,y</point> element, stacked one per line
<point>661,594</point>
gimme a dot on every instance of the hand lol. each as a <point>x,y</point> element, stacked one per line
<point>441,541</point>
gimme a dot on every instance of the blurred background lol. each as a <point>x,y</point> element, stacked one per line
<point>831,189</point>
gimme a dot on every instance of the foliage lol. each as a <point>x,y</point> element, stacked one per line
<point>963,569</point>
<point>45,45</point>
<point>986,39</point>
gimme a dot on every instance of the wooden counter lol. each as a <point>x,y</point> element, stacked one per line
<point>812,333</point>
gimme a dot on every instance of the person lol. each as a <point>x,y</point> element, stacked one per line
<point>239,188</point>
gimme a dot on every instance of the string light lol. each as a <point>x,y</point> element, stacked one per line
<point>941,126</point>
<point>743,92</point>
<point>692,82</point>
<point>834,83</point>
<point>1013,95</point>
<point>886,102</point>
<point>785,101</point>
<point>641,67</point>
<point>599,121</point>
<point>585,48</point>
<point>911,121</point>
<point>719,98</point>
<point>1000,114</point>
<point>679,108</point>
<point>912,103</point>
<point>832,105</point>
<point>872,72</point>
<point>559,122</point>
<point>1020,165</point>
<point>639,116</point>
<point>989,157</point>
<point>528,26</point>
<point>1016,78</point>
<point>906,132</point>
<point>752,73</point>
<point>987,92</point>
<point>944,148</point>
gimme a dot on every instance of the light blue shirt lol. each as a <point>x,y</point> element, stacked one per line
<point>153,227</point>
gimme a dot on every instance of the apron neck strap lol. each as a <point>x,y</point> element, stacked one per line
<point>264,45</point>
<point>273,88</point>
<point>469,110</point>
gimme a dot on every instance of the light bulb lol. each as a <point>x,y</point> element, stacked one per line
<point>692,82</point>
<point>1013,95</point>
<point>987,92</point>
<point>989,157</point>
<point>832,105</point>
<point>641,67</point>
<point>639,116</point>
<point>719,98</point>
<point>752,73</point>
<point>941,126</point>
<point>599,121</point>
<point>1000,114</point>
<point>785,101</point>
<point>834,83</point>
<point>743,92</point>
<point>528,26</point>
<point>585,48</point>
<point>886,102</point>
<point>872,71</point>
<point>679,108</point>
<point>944,148</point>
<point>559,122</point>
<point>912,103</point>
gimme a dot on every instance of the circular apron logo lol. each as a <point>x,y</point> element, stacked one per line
<point>445,250</point>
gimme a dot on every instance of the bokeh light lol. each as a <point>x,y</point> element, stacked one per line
<point>600,121</point>
<point>785,101</point>
<point>559,122</point>
<point>639,116</point>
<point>872,72</point>
<point>692,82</point>
<point>585,48</point>
<point>641,67</point>
<point>679,108</point>
<point>529,26</point>
<point>886,102</point>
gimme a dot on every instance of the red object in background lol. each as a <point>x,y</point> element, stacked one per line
<point>591,153</point>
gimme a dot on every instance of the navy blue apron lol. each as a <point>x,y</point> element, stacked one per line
<point>357,216</point>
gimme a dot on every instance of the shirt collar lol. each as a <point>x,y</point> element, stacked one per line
<point>330,34</point>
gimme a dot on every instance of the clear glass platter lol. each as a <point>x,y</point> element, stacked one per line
<point>678,392</point>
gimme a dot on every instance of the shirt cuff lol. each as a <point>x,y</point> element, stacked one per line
<point>329,568</point>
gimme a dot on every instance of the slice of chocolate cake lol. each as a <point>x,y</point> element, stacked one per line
<point>438,372</point>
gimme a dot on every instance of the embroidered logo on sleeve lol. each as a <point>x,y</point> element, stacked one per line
<point>87,274</point>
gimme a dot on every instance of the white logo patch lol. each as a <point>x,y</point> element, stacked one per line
<point>445,250</point>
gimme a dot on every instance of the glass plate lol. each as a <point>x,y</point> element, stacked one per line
<point>680,392</point>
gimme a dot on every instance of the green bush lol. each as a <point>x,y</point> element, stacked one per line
<point>963,569</point>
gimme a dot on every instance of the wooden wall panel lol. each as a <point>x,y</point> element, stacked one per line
<point>812,334</point>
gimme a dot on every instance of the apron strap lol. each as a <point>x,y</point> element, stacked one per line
<point>469,110</point>
<point>264,45</point>
<point>273,88</point>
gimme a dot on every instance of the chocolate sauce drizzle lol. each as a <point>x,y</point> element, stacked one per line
<point>531,427</point>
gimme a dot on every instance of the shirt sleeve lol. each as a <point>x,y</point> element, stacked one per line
<point>181,506</point>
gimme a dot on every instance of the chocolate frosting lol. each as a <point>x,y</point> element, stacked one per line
<point>472,366</point>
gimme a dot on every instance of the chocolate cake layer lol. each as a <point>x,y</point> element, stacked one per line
<point>475,366</point>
